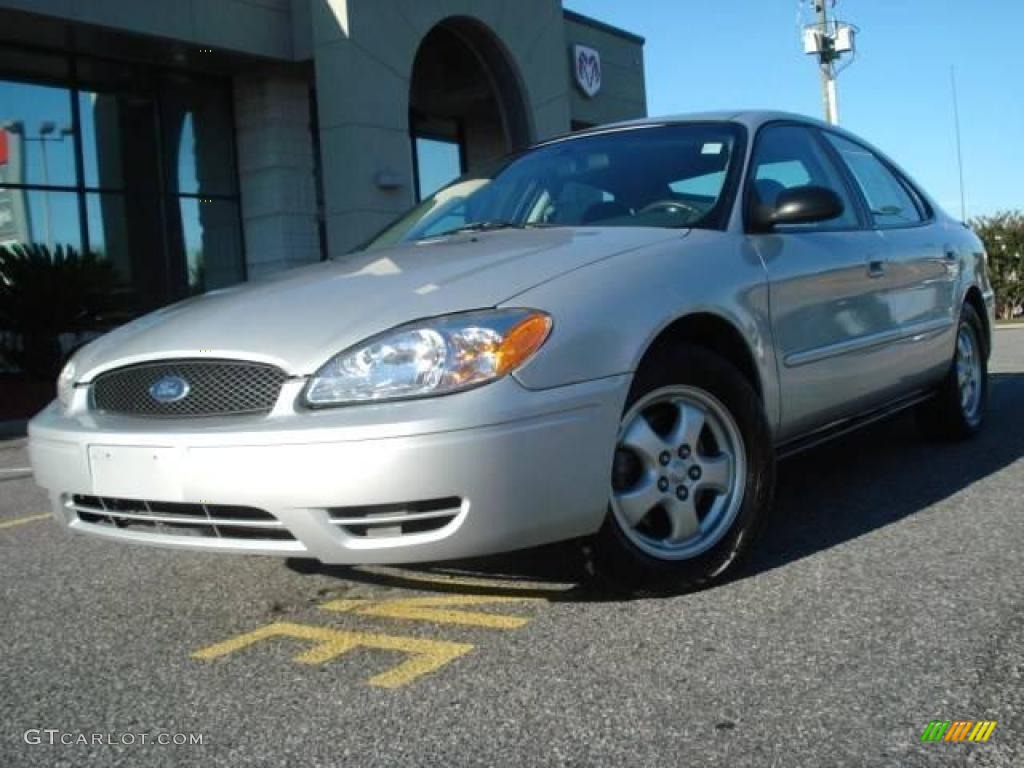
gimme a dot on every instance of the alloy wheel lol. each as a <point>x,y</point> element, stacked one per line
<point>679,473</point>
<point>968,371</point>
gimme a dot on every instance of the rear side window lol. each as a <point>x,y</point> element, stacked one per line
<point>891,203</point>
<point>788,157</point>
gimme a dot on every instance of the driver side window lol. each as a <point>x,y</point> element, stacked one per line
<point>788,157</point>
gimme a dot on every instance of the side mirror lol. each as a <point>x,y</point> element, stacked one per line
<point>800,205</point>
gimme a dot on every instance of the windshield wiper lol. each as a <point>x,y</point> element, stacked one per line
<point>479,226</point>
<point>488,226</point>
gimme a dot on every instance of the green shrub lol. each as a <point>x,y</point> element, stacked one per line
<point>1003,235</point>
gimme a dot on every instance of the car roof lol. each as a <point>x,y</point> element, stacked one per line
<point>752,118</point>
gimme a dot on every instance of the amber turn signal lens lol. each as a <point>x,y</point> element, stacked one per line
<point>521,341</point>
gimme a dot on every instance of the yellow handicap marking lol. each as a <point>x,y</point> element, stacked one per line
<point>23,520</point>
<point>450,582</point>
<point>426,655</point>
<point>436,609</point>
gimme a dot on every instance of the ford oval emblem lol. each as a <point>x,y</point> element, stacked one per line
<point>169,389</point>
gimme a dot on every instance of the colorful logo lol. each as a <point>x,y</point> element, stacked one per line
<point>958,730</point>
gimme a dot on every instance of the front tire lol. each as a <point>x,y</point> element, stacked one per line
<point>957,412</point>
<point>693,476</point>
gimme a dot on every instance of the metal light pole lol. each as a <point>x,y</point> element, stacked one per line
<point>828,40</point>
<point>826,57</point>
<point>45,129</point>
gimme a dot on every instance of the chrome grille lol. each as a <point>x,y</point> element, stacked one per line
<point>177,519</point>
<point>215,388</point>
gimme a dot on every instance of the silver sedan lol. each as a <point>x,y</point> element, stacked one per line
<point>612,335</point>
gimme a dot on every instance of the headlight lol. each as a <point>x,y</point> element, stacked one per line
<point>431,357</point>
<point>66,383</point>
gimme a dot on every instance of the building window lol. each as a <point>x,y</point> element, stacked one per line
<point>131,163</point>
<point>438,163</point>
<point>438,152</point>
<point>37,167</point>
<point>199,143</point>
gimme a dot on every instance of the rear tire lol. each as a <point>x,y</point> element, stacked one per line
<point>957,411</point>
<point>694,474</point>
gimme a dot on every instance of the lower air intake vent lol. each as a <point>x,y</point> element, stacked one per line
<point>174,519</point>
<point>389,520</point>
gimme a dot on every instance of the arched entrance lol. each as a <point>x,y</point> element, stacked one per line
<point>466,104</point>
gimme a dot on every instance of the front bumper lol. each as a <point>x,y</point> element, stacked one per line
<point>523,468</point>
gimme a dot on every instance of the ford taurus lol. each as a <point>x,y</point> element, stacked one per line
<point>609,336</point>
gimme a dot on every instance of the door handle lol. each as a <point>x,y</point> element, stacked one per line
<point>950,253</point>
<point>876,268</point>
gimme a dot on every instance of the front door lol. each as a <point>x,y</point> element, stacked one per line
<point>828,288</point>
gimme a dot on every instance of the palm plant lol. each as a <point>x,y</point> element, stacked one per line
<point>44,295</point>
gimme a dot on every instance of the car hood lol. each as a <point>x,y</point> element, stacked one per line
<point>299,318</point>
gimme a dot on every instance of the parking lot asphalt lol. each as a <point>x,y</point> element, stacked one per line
<point>886,592</point>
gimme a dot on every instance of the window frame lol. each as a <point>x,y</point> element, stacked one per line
<point>853,193</point>
<point>924,209</point>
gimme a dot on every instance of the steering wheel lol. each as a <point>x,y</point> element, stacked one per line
<point>674,207</point>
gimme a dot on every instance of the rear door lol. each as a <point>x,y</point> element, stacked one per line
<point>830,317</point>
<point>921,260</point>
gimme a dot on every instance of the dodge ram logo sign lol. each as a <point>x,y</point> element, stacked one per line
<point>586,64</point>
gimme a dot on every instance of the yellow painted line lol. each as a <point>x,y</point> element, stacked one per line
<point>436,610</point>
<point>23,520</point>
<point>426,655</point>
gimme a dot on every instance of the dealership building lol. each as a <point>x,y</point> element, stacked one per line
<point>198,143</point>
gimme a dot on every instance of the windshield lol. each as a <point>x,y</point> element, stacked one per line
<point>650,176</point>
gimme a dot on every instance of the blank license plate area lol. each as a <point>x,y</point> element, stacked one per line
<point>133,472</point>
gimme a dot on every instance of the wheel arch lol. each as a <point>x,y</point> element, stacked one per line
<point>714,333</point>
<point>977,302</point>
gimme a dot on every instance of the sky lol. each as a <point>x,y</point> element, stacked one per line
<point>897,94</point>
